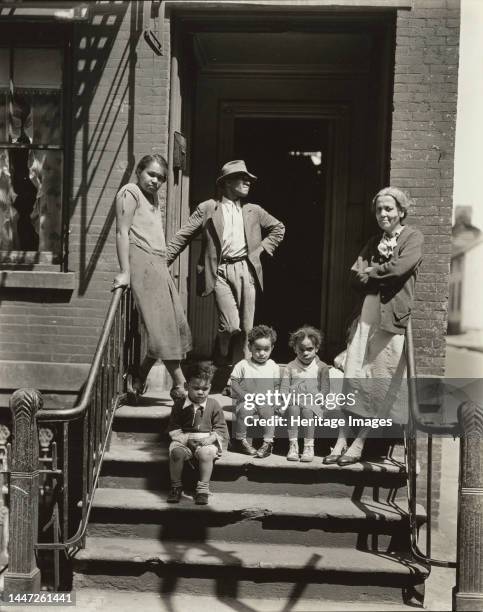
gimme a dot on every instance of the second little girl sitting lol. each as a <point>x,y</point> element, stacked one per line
<point>306,376</point>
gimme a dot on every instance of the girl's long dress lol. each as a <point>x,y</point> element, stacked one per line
<point>158,302</point>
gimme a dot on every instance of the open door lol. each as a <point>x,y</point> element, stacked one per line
<point>308,111</point>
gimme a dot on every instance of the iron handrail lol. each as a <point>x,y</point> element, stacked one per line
<point>410,447</point>
<point>117,350</point>
<point>79,409</point>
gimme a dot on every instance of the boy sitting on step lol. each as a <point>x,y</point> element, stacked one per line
<point>198,430</point>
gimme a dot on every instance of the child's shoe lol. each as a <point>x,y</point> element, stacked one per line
<point>308,454</point>
<point>201,499</point>
<point>174,495</point>
<point>244,447</point>
<point>265,450</point>
<point>293,451</point>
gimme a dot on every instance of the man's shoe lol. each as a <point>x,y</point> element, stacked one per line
<point>174,495</point>
<point>265,450</point>
<point>308,454</point>
<point>201,499</point>
<point>244,447</point>
<point>293,452</point>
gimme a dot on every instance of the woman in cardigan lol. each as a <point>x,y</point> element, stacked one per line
<point>385,274</point>
<point>141,250</point>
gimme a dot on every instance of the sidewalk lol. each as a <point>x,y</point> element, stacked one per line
<point>471,340</point>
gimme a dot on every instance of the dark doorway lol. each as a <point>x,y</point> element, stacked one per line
<point>290,158</point>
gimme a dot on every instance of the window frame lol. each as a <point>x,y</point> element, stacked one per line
<point>54,35</point>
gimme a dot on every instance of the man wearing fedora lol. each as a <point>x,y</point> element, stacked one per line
<point>229,264</point>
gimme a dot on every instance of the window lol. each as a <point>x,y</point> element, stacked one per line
<point>31,144</point>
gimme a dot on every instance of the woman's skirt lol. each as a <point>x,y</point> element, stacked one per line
<point>168,332</point>
<point>375,368</point>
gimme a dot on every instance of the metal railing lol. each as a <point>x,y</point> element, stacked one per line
<point>73,441</point>
<point>411,448</point>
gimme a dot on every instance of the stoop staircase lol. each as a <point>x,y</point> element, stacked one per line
<point>273,529</point>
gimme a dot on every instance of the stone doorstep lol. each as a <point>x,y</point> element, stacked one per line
<point>142,452</point>
<point>255,506</point>
<point>248,555</point>
<point>96,600</point>
<point>154,411</point>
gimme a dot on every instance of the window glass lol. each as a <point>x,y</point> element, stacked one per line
<point>31,159</point>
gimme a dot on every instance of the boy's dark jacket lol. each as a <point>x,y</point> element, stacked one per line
<point>213,420</point>
<point>393,279</point>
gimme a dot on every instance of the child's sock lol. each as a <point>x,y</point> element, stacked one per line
<point>202,487</point>
<point>308,442</point>
<point>269,440</point>
<point>176,483</point>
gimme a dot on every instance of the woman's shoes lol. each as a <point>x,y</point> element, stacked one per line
<point>333,458</point>
<point>348,460</point>
<point>134,389</point>
<point>178,392</point>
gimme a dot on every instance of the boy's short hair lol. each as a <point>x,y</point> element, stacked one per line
<point>202,370</point>
<point>306,331</point>
<point>262,331</point>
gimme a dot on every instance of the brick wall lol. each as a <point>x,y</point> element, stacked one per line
<point>119,113</point>
<point>422,151</point>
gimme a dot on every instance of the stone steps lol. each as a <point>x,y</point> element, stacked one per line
<point>272,527</point>
<point>149,420</point>
<point>135,464</point>
<point>324,521</point>
<point>243,568</point>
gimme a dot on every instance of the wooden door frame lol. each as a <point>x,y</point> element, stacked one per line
<point>178,184</point>
<point>337,117</point>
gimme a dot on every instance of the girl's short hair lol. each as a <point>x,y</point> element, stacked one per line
<point>402,199</point>
<point>148,159</point>
<point>262,331</point>
<point>306,331</point>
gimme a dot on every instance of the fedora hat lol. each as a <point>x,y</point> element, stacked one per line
<point>236,166</point>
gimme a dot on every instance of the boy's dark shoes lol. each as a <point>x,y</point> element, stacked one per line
<point>201,499</point>
<point>265,450</point>
<point>244,447</point>
<point>174,495</point>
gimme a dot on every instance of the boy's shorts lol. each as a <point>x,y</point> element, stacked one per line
<point>213,449</point>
